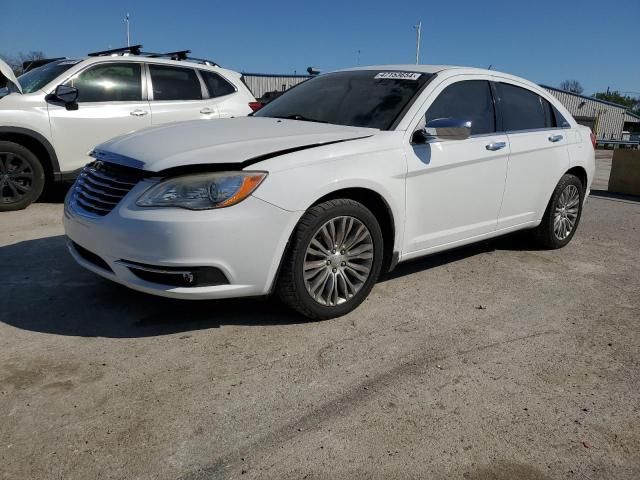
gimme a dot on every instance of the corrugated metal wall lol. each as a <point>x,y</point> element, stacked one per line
<point>608,118</point>
<point>259,84</point>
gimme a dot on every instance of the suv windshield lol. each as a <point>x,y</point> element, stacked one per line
<point>38,77</point>
<point>359,98</point>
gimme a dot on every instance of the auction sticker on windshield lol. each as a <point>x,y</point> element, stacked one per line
<point>397,76</point>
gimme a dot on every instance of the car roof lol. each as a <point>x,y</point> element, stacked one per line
<point>143,58</point>
<point>451,69</point>
<point>405,67</point>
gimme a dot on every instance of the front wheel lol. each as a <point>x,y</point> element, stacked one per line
<point>21,177</point>
<point>333,260</point>
<point>562,215</point>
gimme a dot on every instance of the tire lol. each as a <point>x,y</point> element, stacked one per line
<point>339,278</point>
<point>21,177</point>
<point>556,229</point>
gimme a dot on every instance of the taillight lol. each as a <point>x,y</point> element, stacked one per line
<point>255,106</point>
<point>593,140</point>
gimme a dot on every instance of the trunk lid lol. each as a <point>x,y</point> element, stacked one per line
<point>7,72</point>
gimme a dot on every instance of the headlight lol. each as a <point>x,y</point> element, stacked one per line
<point>202,191</point>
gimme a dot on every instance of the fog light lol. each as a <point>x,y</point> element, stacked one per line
<point>177,276</point>
<point>188,278</point>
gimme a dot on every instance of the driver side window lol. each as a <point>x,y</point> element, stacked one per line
<point>109,82</point>
<point>466,100</point>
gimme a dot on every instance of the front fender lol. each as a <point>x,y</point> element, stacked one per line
<point>382,172</point>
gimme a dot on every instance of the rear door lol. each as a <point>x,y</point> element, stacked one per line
<point>223,95</point>
<point>111,102</point>
<point>538,157</point>
<point>177,94</point>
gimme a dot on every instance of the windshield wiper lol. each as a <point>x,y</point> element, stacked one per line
<point>297,116</point>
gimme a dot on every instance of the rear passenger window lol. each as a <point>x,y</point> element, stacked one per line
<point>216,85</point>
<point>521,108</point>
<point>549,116</point>
<point>174,83</point>
<point>560,120</point>
<point>468,100</point>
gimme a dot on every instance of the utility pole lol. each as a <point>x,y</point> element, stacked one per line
<point>358,59</point>
<point>418,31</point>
<point>126,21</point>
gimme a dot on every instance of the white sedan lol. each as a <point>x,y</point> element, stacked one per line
<point>330,185</point>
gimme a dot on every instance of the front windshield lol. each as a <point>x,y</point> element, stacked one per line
<point>358,98</point>
<point>38,77</point>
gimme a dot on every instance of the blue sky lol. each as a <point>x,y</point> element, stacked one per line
<point>544,41</point>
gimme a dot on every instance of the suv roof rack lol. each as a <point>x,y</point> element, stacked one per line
<point>178,55</point>
<point>133,50</point>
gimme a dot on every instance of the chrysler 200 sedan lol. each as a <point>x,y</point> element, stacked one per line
<point>330,185</point>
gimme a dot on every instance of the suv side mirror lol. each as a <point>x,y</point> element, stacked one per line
<point>67,95</point>
<point>443,129</point>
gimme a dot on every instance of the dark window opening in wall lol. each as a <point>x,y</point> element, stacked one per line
<point>633,127</point>
<point>586,121</point>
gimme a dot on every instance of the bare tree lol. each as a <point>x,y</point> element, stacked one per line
<point>572,86</point>
<point>16,62</point>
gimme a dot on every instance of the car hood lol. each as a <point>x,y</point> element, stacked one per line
<point>240,141</point>
<point>7,72</point>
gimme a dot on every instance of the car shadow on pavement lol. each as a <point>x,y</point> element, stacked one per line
<point>520,241</point>
<point>44,290</point>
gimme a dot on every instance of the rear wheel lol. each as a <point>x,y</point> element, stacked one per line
<point>563,213</point>
<point>333,260</point>
<point>21,177</point>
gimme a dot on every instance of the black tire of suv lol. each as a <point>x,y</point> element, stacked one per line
<point>544,233</point>
<point>36,184</point>
<point>290,285</point>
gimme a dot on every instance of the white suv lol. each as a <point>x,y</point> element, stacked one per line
<point>331,184</point>
<point>51,117</point>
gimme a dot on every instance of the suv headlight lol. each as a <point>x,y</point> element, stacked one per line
<point>202,191</point>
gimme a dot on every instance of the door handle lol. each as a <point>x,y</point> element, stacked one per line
<point>496,146</point>
<point>555,138</point>
<point>138,113</point>
<point>207,111</point>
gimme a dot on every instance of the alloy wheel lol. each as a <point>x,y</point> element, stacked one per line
<point>16,177</point>
<point>338,260</point>
<point>566,212</point>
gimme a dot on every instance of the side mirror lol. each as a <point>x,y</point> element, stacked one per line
<point>443,129</point>
<point>67,95</point>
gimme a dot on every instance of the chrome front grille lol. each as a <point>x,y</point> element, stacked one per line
<point>101,185</point>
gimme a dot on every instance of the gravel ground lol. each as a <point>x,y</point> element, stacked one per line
<point>495,361</point>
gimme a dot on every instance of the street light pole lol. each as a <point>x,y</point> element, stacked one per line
<point>126,21</point>
<point>418,31</point>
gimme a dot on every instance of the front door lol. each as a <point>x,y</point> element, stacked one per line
<point>110,103</point>
<point>455,187</point>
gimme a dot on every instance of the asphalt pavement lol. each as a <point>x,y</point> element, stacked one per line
<point>494,361</point>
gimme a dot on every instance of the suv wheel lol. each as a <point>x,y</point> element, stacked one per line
<point>333,260</point>
<point>21,177</point>
<point>563,213</point>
